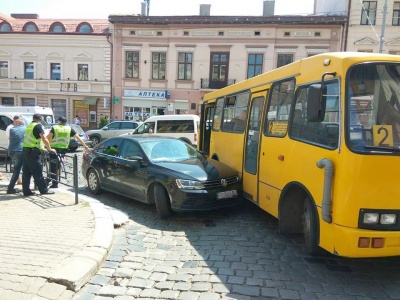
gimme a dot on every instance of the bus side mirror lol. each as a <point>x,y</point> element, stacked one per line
<point>316,103</point>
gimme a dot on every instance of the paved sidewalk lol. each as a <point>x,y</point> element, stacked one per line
<point>50,246</point>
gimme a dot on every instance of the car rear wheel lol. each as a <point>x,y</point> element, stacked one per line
<point>95,140</point>
<point>93,182</point>
<point>162,201</point>
<point>310,228</point>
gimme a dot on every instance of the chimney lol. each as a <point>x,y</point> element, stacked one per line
<point>269,8</point>
<point>144,9</point>
<point>205,9</point>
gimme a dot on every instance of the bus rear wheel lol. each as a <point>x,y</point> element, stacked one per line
<point>310,228</point>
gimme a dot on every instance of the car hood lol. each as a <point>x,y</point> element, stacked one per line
<point>200,169</point>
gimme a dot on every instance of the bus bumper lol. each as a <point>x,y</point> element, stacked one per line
<point>352,242</point>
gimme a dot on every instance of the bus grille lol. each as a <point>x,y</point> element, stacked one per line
<point>217,183</point>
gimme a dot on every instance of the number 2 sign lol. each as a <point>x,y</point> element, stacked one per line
<point>383,135</point>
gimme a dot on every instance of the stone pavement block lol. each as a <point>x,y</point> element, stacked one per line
<point>112,291</point>
<point>169,295</point>
<point>189,296</point>
<point>52,291</point>
<point>150,293</point>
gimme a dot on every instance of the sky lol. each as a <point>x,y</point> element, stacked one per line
<point>101,9</point>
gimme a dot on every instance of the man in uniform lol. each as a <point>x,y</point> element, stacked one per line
<point>34,142</point>
<point>59,137</point>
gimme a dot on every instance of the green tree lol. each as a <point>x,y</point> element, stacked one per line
<point>103,121</point>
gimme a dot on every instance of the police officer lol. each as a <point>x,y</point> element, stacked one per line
<point>34,143</point>
<point>59,137</point>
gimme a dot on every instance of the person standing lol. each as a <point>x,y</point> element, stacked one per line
<point>34,142</point>
<point>16,122</point>
<point>16,138</point>
<point>59,137</point>
<point>77,120</point>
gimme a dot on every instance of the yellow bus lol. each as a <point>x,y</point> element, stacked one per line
<point>317,145</point>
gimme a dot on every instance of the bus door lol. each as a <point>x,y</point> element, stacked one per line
<point>252,147</point>
<point>207,113</point>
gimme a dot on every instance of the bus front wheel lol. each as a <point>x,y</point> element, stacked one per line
<point>310,228</point>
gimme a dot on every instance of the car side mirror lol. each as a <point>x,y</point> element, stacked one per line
<point>105,128</point>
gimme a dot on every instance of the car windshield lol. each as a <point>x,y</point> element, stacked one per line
<point>78,129</point>
<point>373,108</point>
<point>169,150</point>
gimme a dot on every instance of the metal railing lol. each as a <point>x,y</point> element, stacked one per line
<point>68,170</point>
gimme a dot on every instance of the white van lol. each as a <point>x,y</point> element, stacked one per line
<point>183,127</point>
<point>7,114</point>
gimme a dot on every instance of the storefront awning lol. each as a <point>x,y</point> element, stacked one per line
<point>90,101</point>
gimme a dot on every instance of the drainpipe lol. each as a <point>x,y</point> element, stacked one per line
<point>326,198</point>
<point>111,75</point>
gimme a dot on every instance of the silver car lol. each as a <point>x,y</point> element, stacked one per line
<point>110,130</point>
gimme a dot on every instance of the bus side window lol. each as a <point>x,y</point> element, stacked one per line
<point>282,94</point>
<point>324,133</point>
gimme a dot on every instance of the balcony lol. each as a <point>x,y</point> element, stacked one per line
<point>206,83</point>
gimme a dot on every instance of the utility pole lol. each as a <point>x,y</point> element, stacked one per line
<point>382,39</point>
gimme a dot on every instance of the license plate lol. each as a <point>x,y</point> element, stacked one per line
<point>227,194</point>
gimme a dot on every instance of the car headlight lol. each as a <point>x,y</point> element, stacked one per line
<point>189,184</point>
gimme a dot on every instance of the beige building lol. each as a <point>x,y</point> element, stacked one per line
<point>155,64</point>
<point>374,26</point>
<point>63,64</point>
<point>164,65</point>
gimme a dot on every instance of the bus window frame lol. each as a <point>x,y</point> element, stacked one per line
<point>327,125</point>
<point>266,118</point>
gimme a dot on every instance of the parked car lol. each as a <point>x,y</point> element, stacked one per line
<point>113,129</point>
<point>183,127</point>
<point>161,170</point>
<point>74,144</point>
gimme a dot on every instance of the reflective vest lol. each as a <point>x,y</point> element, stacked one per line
<point>30,141</point>
<point>61,137</point>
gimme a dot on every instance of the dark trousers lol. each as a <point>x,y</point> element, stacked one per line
<point>16,157</point>
<point>55,166</point>
<point>32,167</point>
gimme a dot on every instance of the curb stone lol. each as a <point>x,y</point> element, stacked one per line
<point>78,270</point>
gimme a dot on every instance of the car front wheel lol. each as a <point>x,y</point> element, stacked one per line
<point>162,202</point>
<point>95,140</point>
<point>93,182</point>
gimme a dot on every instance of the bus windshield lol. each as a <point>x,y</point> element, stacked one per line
<point>373,108</point>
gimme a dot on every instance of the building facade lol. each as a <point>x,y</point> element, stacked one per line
<point>62,64</point>
<point>374,26</point>
<point>164,65</point>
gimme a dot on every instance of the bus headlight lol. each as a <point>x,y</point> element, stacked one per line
<point>388,219</point>
<point>371,218</point>
<point>189,184</point>
<point>379,219</point>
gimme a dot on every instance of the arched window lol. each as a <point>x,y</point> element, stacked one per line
<point>5,27</point>
<point>84,28</point>
<point>57,27</point>
<point>30,27</point>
